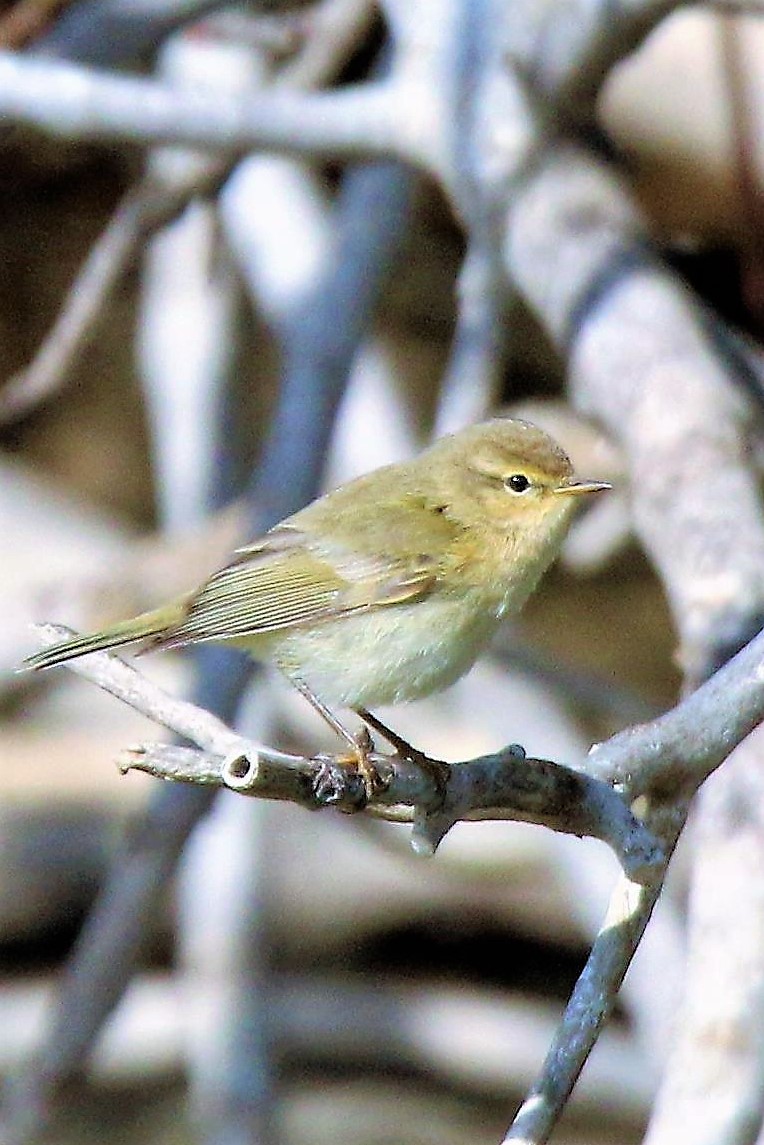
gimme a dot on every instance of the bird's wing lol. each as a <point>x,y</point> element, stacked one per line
<point>290,578</point>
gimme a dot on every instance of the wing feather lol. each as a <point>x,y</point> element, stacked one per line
<point>289,578</point>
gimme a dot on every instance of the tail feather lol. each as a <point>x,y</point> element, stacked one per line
<point>141,627</point>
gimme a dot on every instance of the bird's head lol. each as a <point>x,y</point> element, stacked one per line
<point>510,477</point>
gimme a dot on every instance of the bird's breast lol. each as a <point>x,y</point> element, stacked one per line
<point>389,655</point>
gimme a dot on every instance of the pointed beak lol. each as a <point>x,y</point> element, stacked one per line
<point>583,487</point>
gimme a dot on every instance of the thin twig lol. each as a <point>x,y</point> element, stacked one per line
<point>143,209</point>
<point>25,19</point>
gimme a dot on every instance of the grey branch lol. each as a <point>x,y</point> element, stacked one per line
<point>654,367</point>
<point>709,1095</point>
<point>151,204</point>
<point>590,1004</point>
<point>505,785</point>
<point>75,102</point>
<point>671,755</point>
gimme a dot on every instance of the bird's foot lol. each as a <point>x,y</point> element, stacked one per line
<point>361,745</point>
<point>373,782</point>
<point>338,783</point>
<point>350,780</point>
<point>438,770</point>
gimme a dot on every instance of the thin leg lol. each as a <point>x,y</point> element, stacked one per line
<point>407,750</point>
<point>325,713</point>
<point>361,744</point>
<point>436,768</point>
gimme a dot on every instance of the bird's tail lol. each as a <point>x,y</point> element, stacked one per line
<point>142,627</point>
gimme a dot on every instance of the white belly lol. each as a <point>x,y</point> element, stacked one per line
<point>384,657</point>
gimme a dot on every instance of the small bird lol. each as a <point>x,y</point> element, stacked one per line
<point>387,588</point>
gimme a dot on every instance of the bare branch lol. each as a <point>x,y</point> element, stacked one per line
<point>505,785</point>
<point>712,1092</point>
<point>74,102</point>
<point>656,369</point>
<point>119,678</point>
<point>593,997</point>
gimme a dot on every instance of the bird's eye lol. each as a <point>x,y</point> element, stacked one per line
<point>517,483</point>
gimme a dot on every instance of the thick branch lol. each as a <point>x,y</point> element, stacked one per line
<point>656,369</point>
<point>77,103</point>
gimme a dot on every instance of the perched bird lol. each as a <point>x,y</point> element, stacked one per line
<point>387,588</point>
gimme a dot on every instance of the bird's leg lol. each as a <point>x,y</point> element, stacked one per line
<point>436,768</point>
<point>361,744</point>
<point>402,746</point>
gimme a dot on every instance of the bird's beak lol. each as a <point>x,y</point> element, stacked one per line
<point>583,487</point>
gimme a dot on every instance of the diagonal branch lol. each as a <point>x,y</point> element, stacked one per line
<point>659,371</point>
<point>594,994</point>
<point>505,785</point>
<point>146,207</point>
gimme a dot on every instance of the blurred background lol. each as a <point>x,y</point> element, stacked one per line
<point>249,333</point>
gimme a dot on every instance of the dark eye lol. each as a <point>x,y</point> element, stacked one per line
<point>518,483</point>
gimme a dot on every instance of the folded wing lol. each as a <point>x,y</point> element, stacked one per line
<point>289,578</point>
